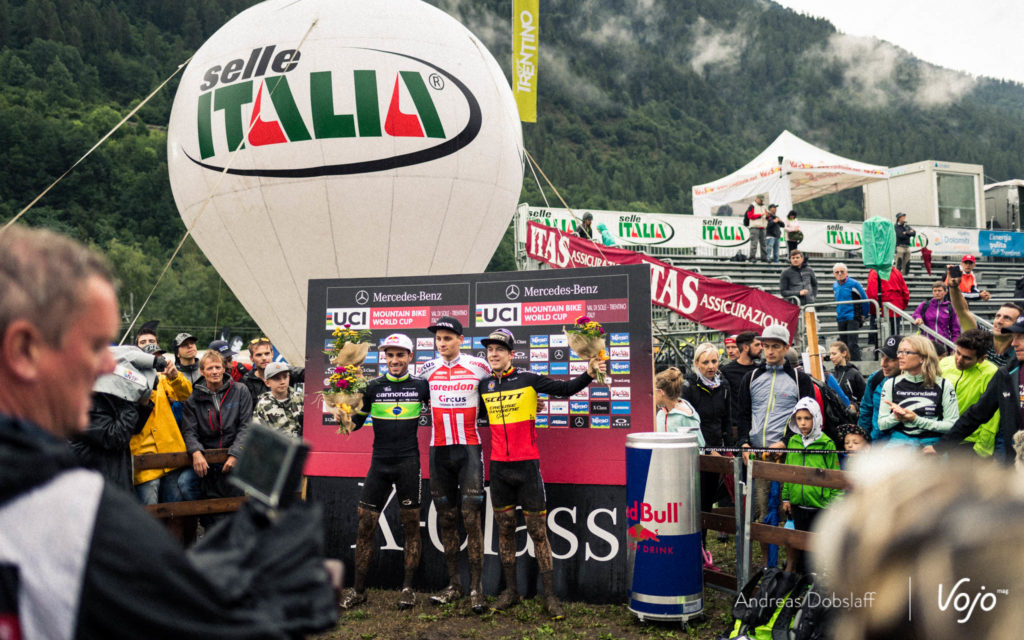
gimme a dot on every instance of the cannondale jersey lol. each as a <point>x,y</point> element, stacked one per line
<point>454,398</point>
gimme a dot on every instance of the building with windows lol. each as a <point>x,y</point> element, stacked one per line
<point>931,193</point>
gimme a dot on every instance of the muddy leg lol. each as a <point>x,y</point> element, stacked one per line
<point>413,543</point>
<point>364,546</point>
<point>506,520</point>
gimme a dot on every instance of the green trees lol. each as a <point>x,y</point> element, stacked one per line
<point>639,101</point>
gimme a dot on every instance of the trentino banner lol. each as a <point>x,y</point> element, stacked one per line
<point>525,56</point>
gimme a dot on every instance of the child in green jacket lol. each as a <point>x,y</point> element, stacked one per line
<point>804,502</point>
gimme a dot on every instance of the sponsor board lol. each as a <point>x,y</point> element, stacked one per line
<point>619,393</point>
<point>619,353</point>
<point>600,422</point>
<point>484,301</point>
<point>558,407</point>
<point>618,340</point>
<point>620,407</point>
<point>579,406</point>
<point>618,367</point>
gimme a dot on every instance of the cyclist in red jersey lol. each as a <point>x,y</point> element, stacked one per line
<point>510,397</point>
<point>456,457</point>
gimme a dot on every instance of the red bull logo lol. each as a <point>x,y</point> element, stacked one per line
<point>645,512</point>
<point>639,534</point>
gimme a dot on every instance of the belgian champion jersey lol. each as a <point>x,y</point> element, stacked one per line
<point>454,398</point>
<point>511,402</point>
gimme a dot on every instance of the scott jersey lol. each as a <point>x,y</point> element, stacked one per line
<point>511,403</point>
<point>454,398</point>
<point>395,405</point>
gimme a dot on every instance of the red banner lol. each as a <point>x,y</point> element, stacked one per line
<point>713,303</point>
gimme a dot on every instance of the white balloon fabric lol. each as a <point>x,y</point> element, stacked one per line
<point>340,139</point>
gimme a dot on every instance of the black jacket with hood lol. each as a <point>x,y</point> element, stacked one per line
<point>217,420</point>
<point>105,445</point>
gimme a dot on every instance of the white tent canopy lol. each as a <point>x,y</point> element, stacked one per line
<point>789,171</point>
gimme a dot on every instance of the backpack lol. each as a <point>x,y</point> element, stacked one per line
<point>760,603</point>
<point>833,412</point>
<point>813,620</point>
<point>746,216</point>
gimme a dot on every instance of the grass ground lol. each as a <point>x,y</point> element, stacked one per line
<point>380,619</point>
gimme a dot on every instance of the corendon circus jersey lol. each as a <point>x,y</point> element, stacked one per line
<point>511,403</point>
<point>454,398</point>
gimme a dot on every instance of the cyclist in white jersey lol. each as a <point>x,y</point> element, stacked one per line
<point>456,458</point>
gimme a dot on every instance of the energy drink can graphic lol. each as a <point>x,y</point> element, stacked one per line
<point>663,547</point>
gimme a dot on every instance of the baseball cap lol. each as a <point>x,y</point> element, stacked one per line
<point>1016,327</point>
<point>967,258</point>
<point>773,206</point>
<point>275,368</point>
<point>446,322</point>
<point>731,340</point>
<point>502,338</point>
<point>222,347</point>
<point>900,215</point>
<point>181,339</point>
<point>588,216</point>
<point>153,349</point>
<point>890,347</point>
<point>399,340</point>
<point>775,332</point>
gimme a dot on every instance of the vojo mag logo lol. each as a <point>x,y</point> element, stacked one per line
<point>723,232</point>
<point>273,97</point>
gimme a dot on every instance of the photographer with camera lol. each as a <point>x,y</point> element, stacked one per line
<point>120,408</point>
<point>161,434</point>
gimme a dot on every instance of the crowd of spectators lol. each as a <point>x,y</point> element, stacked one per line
<point>191,404</point>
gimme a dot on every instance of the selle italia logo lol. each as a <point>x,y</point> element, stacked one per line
<point>719,233</point>
<point>266,79</point>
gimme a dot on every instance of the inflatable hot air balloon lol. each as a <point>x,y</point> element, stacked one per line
<point>341,138</point>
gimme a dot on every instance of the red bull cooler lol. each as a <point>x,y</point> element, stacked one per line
<point>663,547</point>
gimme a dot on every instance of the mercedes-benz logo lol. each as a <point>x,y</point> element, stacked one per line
<point>579,421</point>
<point>558,354</point>
<point>362,297</point>
<point>512,291</point>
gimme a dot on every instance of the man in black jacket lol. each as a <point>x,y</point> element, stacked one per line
<point>80,559</point>
<point>216,416</point>
<point>799,281</point>
<point>904,234</point>
<point>1002,395</point>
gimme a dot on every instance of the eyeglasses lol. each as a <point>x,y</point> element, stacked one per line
<point>259,341</point>
<point>908,353</point>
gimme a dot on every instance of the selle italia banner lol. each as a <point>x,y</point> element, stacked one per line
<point>525,57</point>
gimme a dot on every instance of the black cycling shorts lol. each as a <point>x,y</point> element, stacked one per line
<point>518,483</point>
<point>456,469</point>
<point>403,473</point>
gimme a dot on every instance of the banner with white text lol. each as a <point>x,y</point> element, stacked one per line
<point>713,303</point>
<point>652,231</point>
<point>525,56</point>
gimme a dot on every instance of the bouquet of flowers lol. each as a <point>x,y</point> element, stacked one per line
<point>345,386</point>
<point>586,338</point>
<point>350,346</point>
<point>344,394</point>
